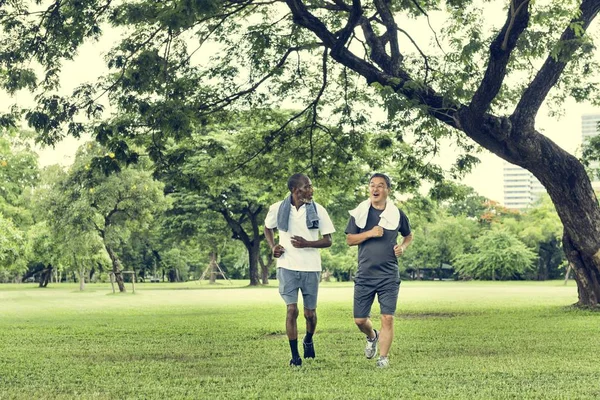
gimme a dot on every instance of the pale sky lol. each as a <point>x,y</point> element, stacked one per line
<point>487,179</point>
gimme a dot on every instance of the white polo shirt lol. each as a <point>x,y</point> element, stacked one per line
<point>306,259</point>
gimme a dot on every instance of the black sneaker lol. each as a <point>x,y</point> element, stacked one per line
<point>309,350</point>
<point>296,362</point>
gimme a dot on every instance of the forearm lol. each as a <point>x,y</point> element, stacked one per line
<point>269,237</point>
<point>353,239</point>
<point>406,241</point>
<point>322,243</point>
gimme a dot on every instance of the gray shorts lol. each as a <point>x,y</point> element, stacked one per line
<point>364,296</point>
<point>307,281</point>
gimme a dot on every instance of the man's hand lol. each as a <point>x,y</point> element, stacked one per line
<point>376,232</point>
<point>278,250</point>
<point>299,242</point>
<point>398,250</point>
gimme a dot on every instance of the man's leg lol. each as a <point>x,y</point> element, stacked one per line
<point>363,300</point>
<point>364,295</point>
<point>291,328</point>
<point>388,298</point>
<point>311,326</point>
<point>310,291</point>
<point>288,289</point>
<point>311,323</point>
<point>386,336</point>
<point>366,326</point>
<point>291,324</point>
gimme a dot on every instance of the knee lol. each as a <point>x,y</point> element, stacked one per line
<point>292,311</point>
<point>310,314</point>
<point>387,320</point>
<point>360,322</point>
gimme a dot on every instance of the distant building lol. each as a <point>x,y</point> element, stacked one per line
<point>589,128</point>
<point>521,188</point>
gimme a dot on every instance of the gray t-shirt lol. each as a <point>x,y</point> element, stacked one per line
<point>376,258</point>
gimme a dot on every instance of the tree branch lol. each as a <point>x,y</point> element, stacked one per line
<point>392,33</point>
<point>377,53</point>
<point>548,75</point>
<point>500,51</point>
<point>237,229</point>
<point>315,104</point>
<point>425,58</point>
<point>224,102</point>
<point>304,18</point>
<point>353,20</point>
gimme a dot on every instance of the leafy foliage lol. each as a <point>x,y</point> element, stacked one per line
<point>497,254</point>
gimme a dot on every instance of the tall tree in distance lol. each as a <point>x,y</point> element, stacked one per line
<point>87,203</point>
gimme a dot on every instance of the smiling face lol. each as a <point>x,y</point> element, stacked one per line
<point>303,192</point>
<point>378,191</point>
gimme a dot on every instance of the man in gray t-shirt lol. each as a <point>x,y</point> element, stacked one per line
<point>374,227</point>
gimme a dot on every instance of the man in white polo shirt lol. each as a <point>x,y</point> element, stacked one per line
<point>299,221</point>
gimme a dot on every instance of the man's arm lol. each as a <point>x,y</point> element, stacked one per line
<point>300,242</point>
<point>399,249</point>
<point>353,239</point>
<point>277,249</point>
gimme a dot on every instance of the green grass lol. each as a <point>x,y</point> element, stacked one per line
<point>454,340</point>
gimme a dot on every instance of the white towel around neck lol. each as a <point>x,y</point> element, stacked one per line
<point>389,219</point>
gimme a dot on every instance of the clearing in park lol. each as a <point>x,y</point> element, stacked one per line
<point>454,340</point>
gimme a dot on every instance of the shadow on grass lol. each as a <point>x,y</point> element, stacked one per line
<point>122,293</point>
<point>209,287</point>
<point>429,315</point>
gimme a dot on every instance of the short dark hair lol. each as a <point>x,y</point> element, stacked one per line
<point>295,180</point>
<point>384,176</point>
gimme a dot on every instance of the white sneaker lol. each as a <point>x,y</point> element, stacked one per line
<point>383,362</point>
<point>371,347</point>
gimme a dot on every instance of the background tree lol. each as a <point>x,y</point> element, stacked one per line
<point>44,253</point>
<point>12,263</point>
<point>189,222</point>
<point>497,254</point>
<point>540,229</point>
<point>88,201</point>
<point>19,174</point>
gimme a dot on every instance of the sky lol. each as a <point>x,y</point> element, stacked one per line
<point>486,179</point>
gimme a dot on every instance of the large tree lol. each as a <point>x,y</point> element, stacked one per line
<point>89,204</point>
<point>457,89</point>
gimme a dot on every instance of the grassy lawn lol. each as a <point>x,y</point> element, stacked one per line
<point>454,340</point>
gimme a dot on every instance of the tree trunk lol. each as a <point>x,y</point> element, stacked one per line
<point>116,268</point>
<point>253,255</point>
<point>252,243</point>
<point>571,192</point>
<point>81,279</point>
<point>212,278</point>
<point>45,276</point>
<point>569,267</point>
<point>92,272</point>
<point>265,267</point>
<point>587,274</point>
